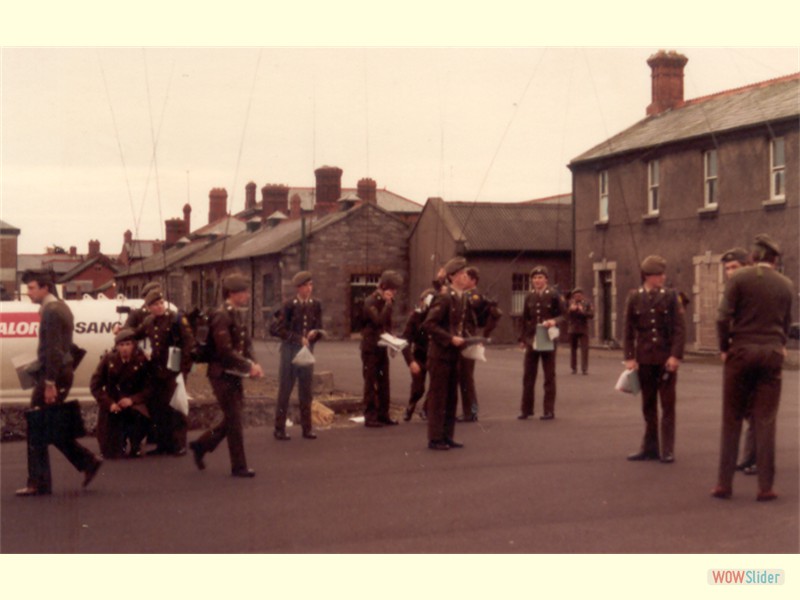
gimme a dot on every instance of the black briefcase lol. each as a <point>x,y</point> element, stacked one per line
<point>55,423</point>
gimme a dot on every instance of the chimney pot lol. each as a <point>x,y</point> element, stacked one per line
<point>250,196</point>
<point>275,198</point>
<point>296,208</point>
<point>329,189</point>
<point>217,204</point>
<point>367,190</point>
<point>128,237</point>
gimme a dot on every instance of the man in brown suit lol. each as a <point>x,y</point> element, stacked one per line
<point>654,340</point>
<point>447,322</point>
<point>232,360</point>
<point>53,382</point>
<point>753,325</point>
<point>374,358</point>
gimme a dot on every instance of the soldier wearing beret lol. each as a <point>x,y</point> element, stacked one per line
<point>733,260</point>
<point>579,311</point>
<point>447,323</point>
<point>137,316</point>
<point>167,334</point>
<point>543,307</point>
<point>486,315</point>
<point>231,361</point>
<point>120,384</point>
<point>753,324</point>
<point>298,324</point>
<point>374,358</point>
<point>654,340</point>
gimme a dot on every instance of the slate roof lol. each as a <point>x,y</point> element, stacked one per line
<point>505,227</point>
<point>89,262</point>
<point>168,258</point>
<point>766,102</point>
<point>8,228</point>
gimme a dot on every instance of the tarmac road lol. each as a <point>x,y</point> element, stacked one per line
<point>532,486</point>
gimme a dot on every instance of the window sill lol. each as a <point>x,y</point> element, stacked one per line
<point>650,218</point>
<point>708,212</point>
<point>601,224</point>
<point>778,203</point>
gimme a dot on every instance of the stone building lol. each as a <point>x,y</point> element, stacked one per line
<point>689,181</point>
<point>504,240</point>
<point>9,236</point>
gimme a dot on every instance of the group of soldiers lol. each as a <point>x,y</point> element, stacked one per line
<point>135,387</point>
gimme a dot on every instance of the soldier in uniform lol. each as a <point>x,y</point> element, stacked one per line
<point>137,316</point>
<point>447,322</point>
<point>53,382</point>
<point>543,306</point>
<point>231,361</point>
<point>298,323</point>
<point>374,358</point>
<point>120,384</point>
<point>486,315</point>
<point>579,311</point>
<point>654,340</point>
<point>753,324</point>
<point>733,260</point>
<point>416,353</point>
<point>164,331</point>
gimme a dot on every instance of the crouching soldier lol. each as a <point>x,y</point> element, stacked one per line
<point>120,386</point>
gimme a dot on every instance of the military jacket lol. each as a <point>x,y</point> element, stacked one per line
<point>233,348</point>
<point>295,319</point>
<point>538,308</point>
<point>486,314</point>
<point>654,326</point>
<point>114,379</point>
<point>417,338</point>
<point>162,332</point>
<point>450,315</point>
<point>578,320</point>
<point>377,320</point>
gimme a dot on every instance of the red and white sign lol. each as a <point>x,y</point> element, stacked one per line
<point>19,325</point>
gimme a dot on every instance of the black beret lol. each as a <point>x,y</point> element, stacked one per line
<point>454,265</point>
<point>735,254</point>
<point>390,280</point>
<point>540,270</point>
<point>235,282</point>
<point>765,241</point>
<point>654,265</point>
<point>124,335</point>
<point>153,296</point>
<point>153,285</point>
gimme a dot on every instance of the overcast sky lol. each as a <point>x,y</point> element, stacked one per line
<point>96,141</point>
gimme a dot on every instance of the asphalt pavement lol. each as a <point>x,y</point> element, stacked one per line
<point>540,487</point>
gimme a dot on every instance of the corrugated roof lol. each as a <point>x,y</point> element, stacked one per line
<point>501,227</point>
<point>769,101</point>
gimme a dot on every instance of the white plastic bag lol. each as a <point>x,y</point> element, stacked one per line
<point>304,358</point>
<point>475,352</point>
<point>180,399</point>
<point>628,382</point>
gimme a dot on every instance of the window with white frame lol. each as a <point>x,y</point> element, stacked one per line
<point>778,169</point>
<point>652,187</point>
<point>520,286</point>
<point>603,184</point>
<point>710,174</point>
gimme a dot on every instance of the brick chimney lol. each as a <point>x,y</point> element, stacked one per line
<point>128,237</point>
<point>217,204</point>
<point>329,189</point>
<point>187,218</point>
<point>667,81</point>
<point>250,196</point>
<point>73,251</point>
<point>296,210</point>
<point>175,230</point>
<point>274,198</point>
<point>367,190</point>
<point>94,247</point>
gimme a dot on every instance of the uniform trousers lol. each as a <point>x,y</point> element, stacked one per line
<point>171,426</point>
<point>287,376</point>
<point>442,398</point>
<point>751,385</point>
<point>375,369</point>
<point>229,392</point>
<point>115,430</point>
<point>466,384</point>
<point>418,387</point>
<point>656,382</point>
<point>81,458</point>
<point>579,341</point>
<point>531,367</point>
